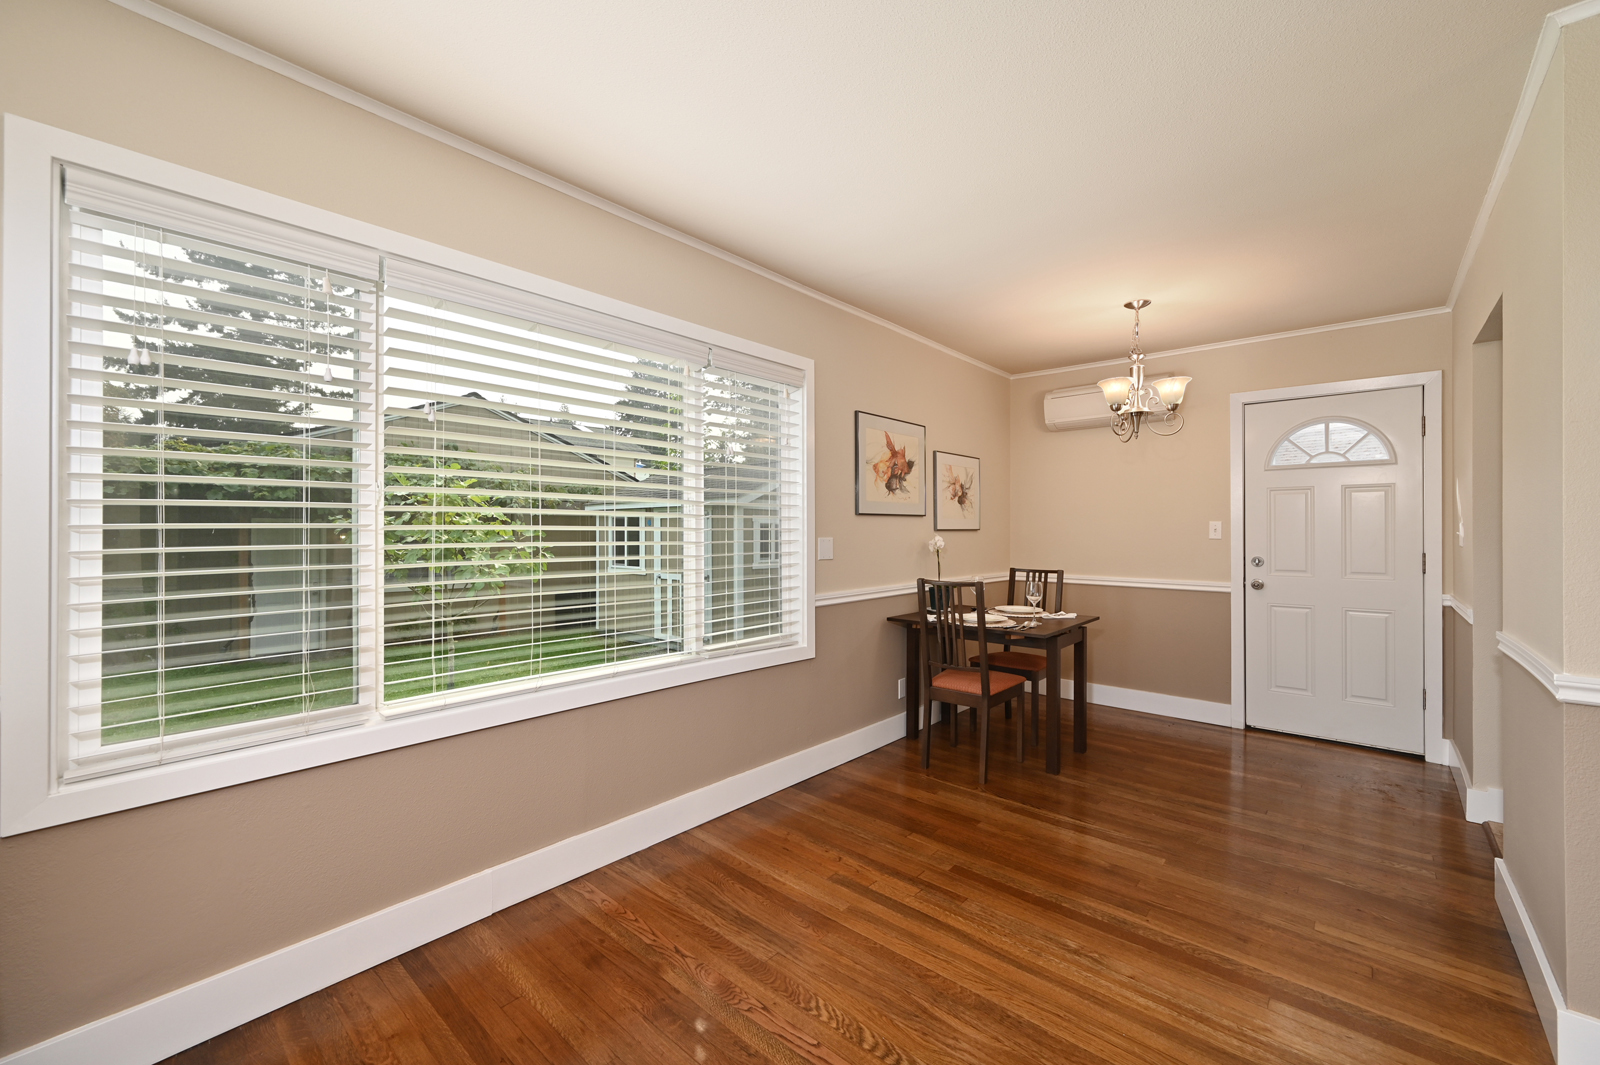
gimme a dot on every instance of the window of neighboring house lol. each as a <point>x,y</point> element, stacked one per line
<point>632,538</point>
<point>768,543</point>
<point>312,490</point>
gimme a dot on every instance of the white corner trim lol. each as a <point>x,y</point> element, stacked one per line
<point>1158,703</point>
<point>1543,52</point>
<point>1331,327</point>
<point>1578,1038</point>
<point>1477,804</point>
<point>278,65</point>
<point>1574,1037</point>
<point>1459,607</point>
<point>1567,687</point>
<point>163,1026</point>
<point>1528,659</point>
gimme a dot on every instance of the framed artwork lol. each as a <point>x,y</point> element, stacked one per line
<point>891,471</point>
<point>958,491</point>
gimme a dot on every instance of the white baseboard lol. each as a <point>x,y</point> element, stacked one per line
<point>1155,703</point>
<point>1574,1037</point>
<point>163,1026</point>
<point>1480,804</point>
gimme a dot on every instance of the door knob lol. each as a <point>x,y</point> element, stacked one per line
<point>1258,561</point>
<point>1258,585</point>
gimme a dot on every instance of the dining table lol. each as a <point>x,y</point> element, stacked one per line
<point>1049,635</point>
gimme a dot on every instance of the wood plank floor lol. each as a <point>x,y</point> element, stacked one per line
<point>1181,893</point>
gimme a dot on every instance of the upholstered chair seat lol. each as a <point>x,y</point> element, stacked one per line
<point>970,683</point>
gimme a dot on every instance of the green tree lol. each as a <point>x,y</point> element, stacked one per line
<point>456,549</point>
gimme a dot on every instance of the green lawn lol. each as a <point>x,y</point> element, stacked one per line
<point>198,697</point>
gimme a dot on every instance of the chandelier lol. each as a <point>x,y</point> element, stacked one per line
<point>1134,403</point>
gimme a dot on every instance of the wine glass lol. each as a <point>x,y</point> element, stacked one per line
<point>1034,593</point>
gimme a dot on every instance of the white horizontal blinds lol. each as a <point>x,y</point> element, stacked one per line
<point>533,496</point>
<point>216,477</point>
<point>752,501</point>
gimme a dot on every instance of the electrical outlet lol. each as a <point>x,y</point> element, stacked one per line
<point>1216,530</point>
<point>902,689</point>
<point>824,548</point>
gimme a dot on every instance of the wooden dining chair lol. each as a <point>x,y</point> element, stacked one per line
<point>947,676</point>
<point>1017,583</point>
<point>1030,667</point>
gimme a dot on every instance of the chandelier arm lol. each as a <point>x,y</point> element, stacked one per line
<point>1173,419</point>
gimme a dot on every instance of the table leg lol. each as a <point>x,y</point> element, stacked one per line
<point>1052,707</point>
<point>913,680</point>
<point>1080,693</point>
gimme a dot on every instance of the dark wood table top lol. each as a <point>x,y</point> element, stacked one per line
<point>1046,628</point>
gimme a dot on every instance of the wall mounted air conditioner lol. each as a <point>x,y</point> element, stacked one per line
<point>1076,408</point>
<point>1083,407</point>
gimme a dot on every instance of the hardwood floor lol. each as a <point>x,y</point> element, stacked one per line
<point>1181,893</point>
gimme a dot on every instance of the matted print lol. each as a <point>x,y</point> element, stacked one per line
<point>891,471</point>
<point>958,491</point>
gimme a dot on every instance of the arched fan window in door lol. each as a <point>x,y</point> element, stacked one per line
<point>1342,440</point>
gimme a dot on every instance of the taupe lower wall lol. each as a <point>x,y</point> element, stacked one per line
<point>1581,759</point>
<point>1458,684</point>
<point>103,914</point>
<point>1532,757</point>
<point>1156,640</point>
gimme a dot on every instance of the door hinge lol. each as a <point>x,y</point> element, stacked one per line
<point>1424,425</point>
<point>1424,562</point>
<point>1424,698</point>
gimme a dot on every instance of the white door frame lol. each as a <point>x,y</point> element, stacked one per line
<point>1432,383</point>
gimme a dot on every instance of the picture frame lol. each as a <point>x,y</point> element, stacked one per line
<point>957,491</point>
<point>891,466</point>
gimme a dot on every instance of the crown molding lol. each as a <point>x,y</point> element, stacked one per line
<point>278,65</point>
<point>1543,53</point>
<point>1356,324</point>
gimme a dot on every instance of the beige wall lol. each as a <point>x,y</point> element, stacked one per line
<point>1096,506</point>
<point>1541,255</point>
<point>1535,819</point>
<point>1580,498</point>
<point>1458,684</point>
<point>99,915</point>
<point>1518,264</point>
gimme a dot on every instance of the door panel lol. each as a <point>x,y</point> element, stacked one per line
<point>1369,531</point>
<point>1333,509</point>
<point>1293,653</point>
<point>1369,656</point>
<point>1291,532</point>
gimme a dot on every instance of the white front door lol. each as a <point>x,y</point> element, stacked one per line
<point>1333,567</point>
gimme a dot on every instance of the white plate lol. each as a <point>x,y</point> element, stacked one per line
<point>1019,611</point>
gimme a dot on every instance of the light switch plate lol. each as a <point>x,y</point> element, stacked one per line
<point>1216,530</point>
<point>902,689</point>
<point>824,548</point>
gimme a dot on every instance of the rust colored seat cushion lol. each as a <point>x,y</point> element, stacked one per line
<point>959,680</point>
<point>1015,660</point>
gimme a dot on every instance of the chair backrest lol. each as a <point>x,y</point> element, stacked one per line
<point>1019,583</point>
<point>944,606</point>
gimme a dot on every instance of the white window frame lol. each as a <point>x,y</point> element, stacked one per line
<point>31,794</point>
<point>619,523</point>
